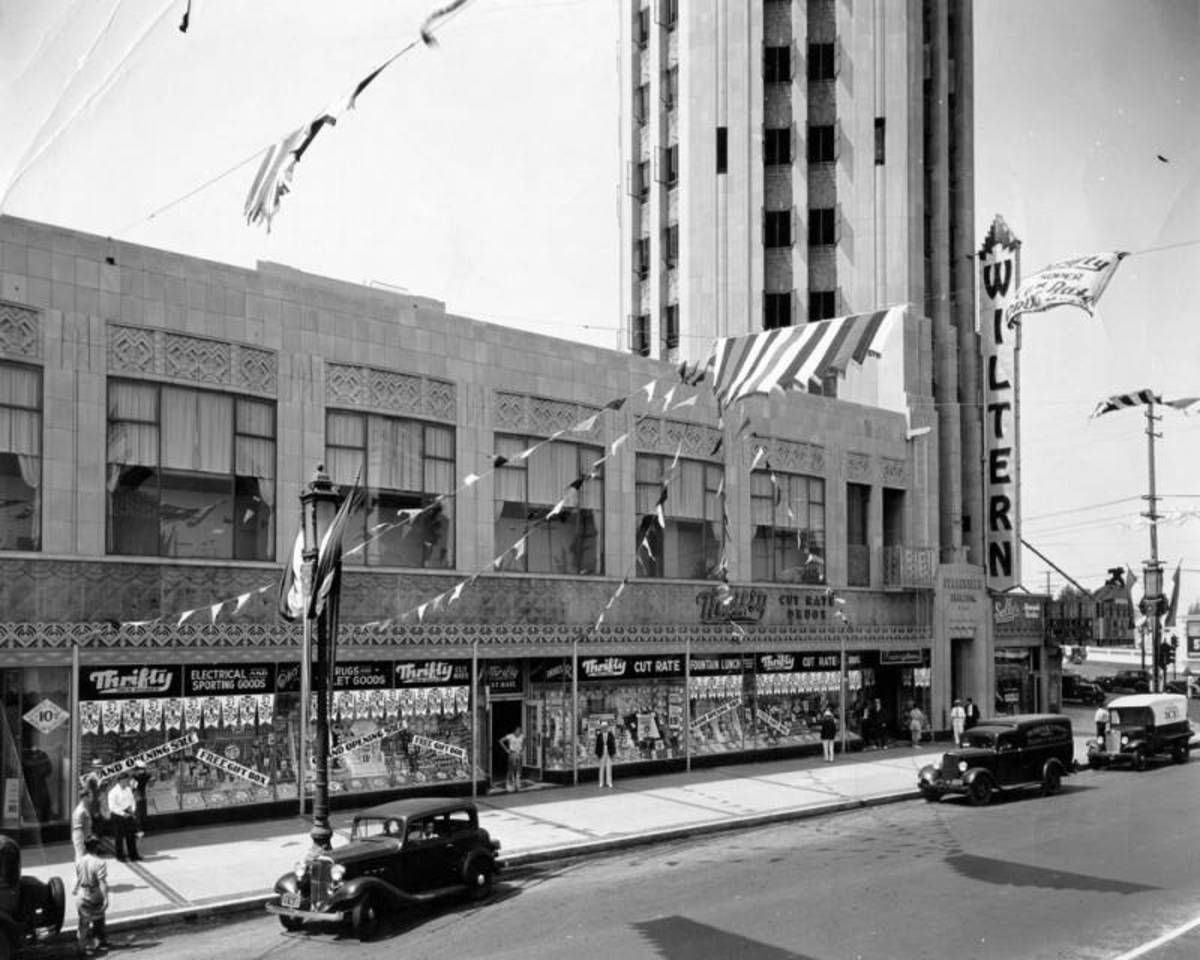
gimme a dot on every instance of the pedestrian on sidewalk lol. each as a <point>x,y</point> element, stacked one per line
<point>83,820</point>
<point>1101,719</point>
<point>866,725</point>
<point>91,897</point>
<point>514,745</point>
<point>606,749</point>
<point>958,721</point>
<point>916,724</point>
<point>141,777</point>
<point>881,725</point>
<point>828,733</point>
<point>972,713</point>
<point>122,812</point>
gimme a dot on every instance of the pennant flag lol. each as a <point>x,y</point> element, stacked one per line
<point>678,453</point>
<point>328,574</point>
<point>271,181</point>
<point>498,462</point>
<point>421,613</point>
<point>436,17</point>
<point>687,401</point>
<point>615,404</point>
<point>291,584</point>
<point>187,15</point>
<point>557,509</point>
<point>1119,401</point>
<point>579,481</point>
<point>455,593</point>
<point>1188,405</point>
<point>1173,605</point>
<point>667,398</point>
<point>693,374</point>
<point>759,455</point>
<point>616,444</point>
<point>649,390</point>
<point>470,480</point>
<point>215,610</point>
<point>1078,282</point>
<point>184,617</point>
<point>519,548</point>
<point>645,545</point>
<point>585,425</point>
<point>717,446</point>
<point>658,507</point>
<point>789,357</point>
<point>244,598</point>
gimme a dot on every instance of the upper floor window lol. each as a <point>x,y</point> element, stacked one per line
<point>668,13</point>
<point>822,143</point>
<point>641,103</point>
<point>643,179</point>
<point>20,457</point>
<point>777,146</point>
<point>671,162</point>
<point>639,335</point>
<point>822,304</point>
<point>641,257</point>
<point>822,222</point>
<point>777,64</point>
<point>822,64</point>
<point>671,244</point>
<point>670,87</point>
<point>789,527</point>
<point>722,149</point>
<point>777,310</point>
<point>643,26</point>
<point>527,490</point>
<point>777,228</point>
<point>406,465</point>
<point>191,473</point>
<point>690,545</point>
<point>880,141</point>
<point>670,326</point>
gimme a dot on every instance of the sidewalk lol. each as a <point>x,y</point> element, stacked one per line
<point>204,870</point>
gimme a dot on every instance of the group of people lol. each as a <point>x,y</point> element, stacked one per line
<point>120,811</point>
<point>962,718</point>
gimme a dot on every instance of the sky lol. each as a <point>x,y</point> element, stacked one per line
<point>485,172</point>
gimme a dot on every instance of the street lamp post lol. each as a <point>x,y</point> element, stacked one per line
<point>1152,602</point>
<point>318,505</point>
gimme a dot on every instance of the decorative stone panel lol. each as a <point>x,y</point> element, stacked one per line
<point>349,385</point>
<point>858,467</point>
<point>658,435</point>
<point>20,331</point>
<point>792,457</point>
<point>542,417</point>
<point>894,473</point>
<point>200,360</point>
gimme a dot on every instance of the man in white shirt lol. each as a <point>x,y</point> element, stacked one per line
<point>122,811</point>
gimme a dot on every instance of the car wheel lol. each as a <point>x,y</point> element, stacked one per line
<point>291,924</point>
<point>365,918</point>
<point>931,796</point>
<point>1139,760</point>
<point>480,874</point>
<point>980,792</point>
<point>1051,782</point>
<point>56,905</point>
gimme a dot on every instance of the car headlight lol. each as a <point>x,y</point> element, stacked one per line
<point>962,766</point>
<point>337,872</point>
<point>300,869</point>
<point>1124,740</point>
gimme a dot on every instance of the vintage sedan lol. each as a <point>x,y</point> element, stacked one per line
<point>1142,727</point>
<point>30,910</point>
<point>400,853</point>
<point>1003,753</point>
<point>1079,689</point>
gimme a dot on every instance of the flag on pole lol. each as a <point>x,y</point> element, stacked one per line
<point>1077,282</point>
<point>435,18</point>
<point>1119,401</point>
<point>291,584</point>
<point>1173,605</point>
<point>328,573</point>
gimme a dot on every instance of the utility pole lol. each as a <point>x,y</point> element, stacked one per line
<point>1153,599</point>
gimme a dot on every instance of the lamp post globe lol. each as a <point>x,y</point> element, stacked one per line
<point>319,503</point>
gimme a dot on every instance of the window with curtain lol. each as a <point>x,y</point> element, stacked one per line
<point>191,473</point>
<point>689,547</point>
<point>528,488</point>
<point>789,527</point>
<point>20,457</point>
<point>405,466</point>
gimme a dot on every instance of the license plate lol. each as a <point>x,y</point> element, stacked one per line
<point>290,900</point>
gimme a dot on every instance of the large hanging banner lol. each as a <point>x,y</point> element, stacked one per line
<point>999,267</point>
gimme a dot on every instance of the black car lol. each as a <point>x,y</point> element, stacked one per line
<point>1078,689</point>
<point>1026,750</point>
<point>404,852</point>
<point>1130,681</point>
<point>30,910</point>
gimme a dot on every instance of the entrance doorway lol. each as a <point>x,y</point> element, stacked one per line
<point>505,718</point>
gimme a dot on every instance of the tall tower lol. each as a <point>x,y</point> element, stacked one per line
<point>788,161</point>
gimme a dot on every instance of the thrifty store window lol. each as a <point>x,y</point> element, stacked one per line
<point>406,465</point>
<point>191,473</point>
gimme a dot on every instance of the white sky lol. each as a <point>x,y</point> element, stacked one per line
<point>485,173</point>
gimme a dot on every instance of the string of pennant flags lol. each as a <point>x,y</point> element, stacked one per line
<point>686,374</point>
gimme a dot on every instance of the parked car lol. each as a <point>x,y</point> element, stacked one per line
<point>30,910</point>
<point>1003,753</point>
<point>1130,681</point>
<point>400,853</point>
<point>1142,727</point>
<point>1187,688</point>
<point>1079,689</point>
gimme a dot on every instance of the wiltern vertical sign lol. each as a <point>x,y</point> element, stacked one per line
<point>999,274</point>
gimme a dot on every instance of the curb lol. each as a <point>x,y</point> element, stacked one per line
<point>195,913</point>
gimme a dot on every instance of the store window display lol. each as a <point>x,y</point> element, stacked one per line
<point>35,736</point>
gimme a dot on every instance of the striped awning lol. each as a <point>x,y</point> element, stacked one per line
<point>793,357</point>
